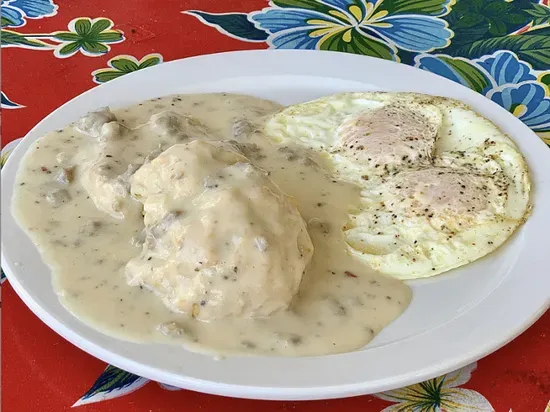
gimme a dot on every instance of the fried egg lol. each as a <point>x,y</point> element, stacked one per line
<point>441,186</point>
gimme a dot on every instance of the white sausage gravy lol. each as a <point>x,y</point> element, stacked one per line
<point>176,220</point>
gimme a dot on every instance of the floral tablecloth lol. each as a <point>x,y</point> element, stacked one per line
<point>53,50</point>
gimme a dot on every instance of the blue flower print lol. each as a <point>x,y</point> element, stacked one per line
<point>503,78</point>
<point>527,102</point>
<point>372,27</point>
<point>457,69</point>
<point>504,68</point>
<point>14,12</point>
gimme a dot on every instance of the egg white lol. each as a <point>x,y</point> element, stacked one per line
<point>389,229</point>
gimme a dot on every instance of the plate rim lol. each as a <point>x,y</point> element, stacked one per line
<point>260,392</point>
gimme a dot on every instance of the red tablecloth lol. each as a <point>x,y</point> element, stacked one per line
<point>55,50</point>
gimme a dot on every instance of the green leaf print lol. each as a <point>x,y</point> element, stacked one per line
<point>533,48</point>
<point>540,14</point>
<point>6,21</point>
<point>99,26</point>
<point>69,49</point>
<point>3,160</point>
<point>106,76</point>
<point>356,43</point>
<point>94,47</point>
<point>150,62</point>
<point>11,38</point>
<point>90,36</point>
<point>111,37</point>
<point>301,4</point>
<point>124,64</point>
<point>112,383</point>
<point>82,26</point>
<point>63,36</point>
<point>474,20</point>
<point>424,7</point>
<point>474,77</point>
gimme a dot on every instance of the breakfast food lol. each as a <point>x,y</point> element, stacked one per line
<point>441,186</point>
<point>220,238</point>
<point>231,225</point>
<point>109,162</point>
<point>176,220</point>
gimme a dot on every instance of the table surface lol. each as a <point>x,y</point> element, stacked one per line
<point>53,50</point>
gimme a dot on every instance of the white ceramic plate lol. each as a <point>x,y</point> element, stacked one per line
<point>453,319</point>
